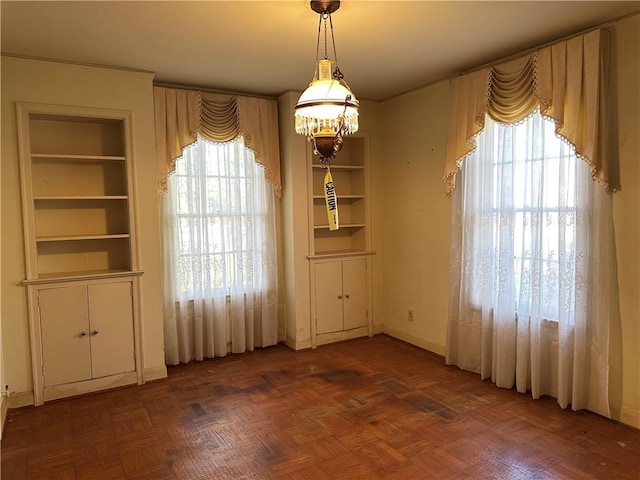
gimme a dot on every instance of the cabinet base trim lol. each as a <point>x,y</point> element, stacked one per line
<point>89,386</point>
<point>325,338</point>
<point>155,373</point>
<point>413,340</point>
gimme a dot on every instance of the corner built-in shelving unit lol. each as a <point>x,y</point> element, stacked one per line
<point>82,273</point>
<point>340,260</point>
<point>350,176</point>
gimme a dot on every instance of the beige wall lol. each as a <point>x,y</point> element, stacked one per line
<point>625,122</point>
<point>416,215</point>
<point>59,83</point>
<point>3,400</point>
<point>295,221</point>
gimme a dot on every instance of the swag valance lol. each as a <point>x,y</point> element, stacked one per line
<point>566,81</point>
<point>182,115</point>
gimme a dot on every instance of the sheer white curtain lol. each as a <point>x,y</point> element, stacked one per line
<point>533,267</point>
<point>219,242</point>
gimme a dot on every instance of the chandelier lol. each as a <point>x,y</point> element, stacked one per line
<point>327,109</point>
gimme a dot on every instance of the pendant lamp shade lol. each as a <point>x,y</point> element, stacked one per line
<point>327,109</point>
<point>325,105</point>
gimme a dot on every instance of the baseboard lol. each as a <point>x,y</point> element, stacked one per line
<point>155,373</point>
<point>413,340</point>
<point>21,399</point>
<point>377,329</point>
<point>15,400</point>
<point>297,345</point>
<point>629,416</point>
<point>3,413</point>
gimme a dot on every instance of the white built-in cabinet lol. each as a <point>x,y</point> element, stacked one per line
<point>78,200</point>
<point>87,331</point>
<point>340,260</point>
<point>341,296</point>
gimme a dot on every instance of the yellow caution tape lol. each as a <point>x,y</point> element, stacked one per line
<point>332,201</point>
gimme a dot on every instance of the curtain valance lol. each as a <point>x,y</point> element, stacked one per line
<point>182,115</point>
<point>566,81</point>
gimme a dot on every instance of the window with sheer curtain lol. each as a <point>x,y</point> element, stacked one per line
<point>523,215</point>
<point>220,251</point>
<point>532,242</point>
<point>534,292</point>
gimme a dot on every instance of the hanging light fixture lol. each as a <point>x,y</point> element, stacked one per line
<point>327,109</point>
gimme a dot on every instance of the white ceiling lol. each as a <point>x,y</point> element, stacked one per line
<point>267,47</point>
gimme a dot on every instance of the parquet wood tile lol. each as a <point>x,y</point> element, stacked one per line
<point>363,409</point>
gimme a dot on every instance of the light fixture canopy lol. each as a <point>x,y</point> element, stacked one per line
<point>327,109</point>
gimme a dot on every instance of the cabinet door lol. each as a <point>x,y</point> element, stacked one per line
<point>328,297</point>
<point>64,323</point>
<point>111,318</point>
<point>354,288</point>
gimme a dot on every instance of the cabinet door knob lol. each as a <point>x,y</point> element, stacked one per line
<point>83,334</point>
<point>339,297</point>
<point>347,295</point>
<point>95,332</point>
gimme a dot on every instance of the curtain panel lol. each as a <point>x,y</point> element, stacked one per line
<point>181,115</point>
<point>567,81</point>
<point>220,254</point>
<point>177,121</point>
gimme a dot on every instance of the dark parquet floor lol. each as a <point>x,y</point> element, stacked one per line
<point>364,409</point>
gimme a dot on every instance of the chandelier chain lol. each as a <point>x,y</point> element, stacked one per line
<point>337,74</point>
<point>324,18</point>
<point>318,39</point>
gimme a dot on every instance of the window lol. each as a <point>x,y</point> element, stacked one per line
<point>523,211</point>
<point>219,218</point>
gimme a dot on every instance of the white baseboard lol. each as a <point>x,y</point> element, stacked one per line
<point>297,345</point>
<point>155,373</point>
<point>413,340</point>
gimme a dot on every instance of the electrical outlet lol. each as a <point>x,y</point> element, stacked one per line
<point>410,315</point>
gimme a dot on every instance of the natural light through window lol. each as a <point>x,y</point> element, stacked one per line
<point>525,216</point>
<point>219,194</point>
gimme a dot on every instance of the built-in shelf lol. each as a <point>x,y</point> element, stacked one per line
<point>80,197</point>
<point>56,156</point>
<point>76,179</point>
<point>344,197</point>
<point>83,275</point>
<point>342,225</point>
<point>339,254</point>
<point>350,180</point>
<point>65,238</point>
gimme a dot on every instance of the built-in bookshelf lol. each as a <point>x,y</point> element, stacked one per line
<point>76,192</point>
<point>350,177</point>
<point>82,275</point>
